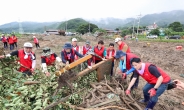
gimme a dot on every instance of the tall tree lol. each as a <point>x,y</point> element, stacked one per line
<point>84,28</point>
<point>155,32</point>
<point>176,26</point>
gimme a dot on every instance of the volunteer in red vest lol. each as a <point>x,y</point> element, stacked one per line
<point>5,41</point>
<point>125,65</point>
<point>27,58</point>
<point>14,40</point>
<point>75,47</point>
<point>36,42</point>
<point>86,48</point>
<point>68,54</point>
<point>157,82</point>
<point>100,51</point>
<point>122,45</point>
<point>11,42</point>
<point>48,58</point>
<point>111,53</point>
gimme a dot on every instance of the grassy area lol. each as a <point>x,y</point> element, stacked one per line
<point>159,39</point>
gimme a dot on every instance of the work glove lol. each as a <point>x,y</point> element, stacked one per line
<point>32,70</point>
<point>124,75</point>
<point>90,67</point>
<point>104,59</point>
<point>67,65</point>
<point>127,92</point>
<point>152,92</point>
<point>47,73</point>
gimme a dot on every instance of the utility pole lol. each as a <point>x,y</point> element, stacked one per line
<point>133,28</point>
<point>139,17</point>
<point>66,26</point>
<point>89,27</point>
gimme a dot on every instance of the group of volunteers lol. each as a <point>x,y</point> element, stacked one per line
<point>9,39</point>
<point>157,79</point>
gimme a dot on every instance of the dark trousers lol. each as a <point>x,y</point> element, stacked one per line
<point>112,68</point>
<point>97,61</point>
<point>11,46</point>
<point>37,45</point>
<point>153,100</point>
<point>27,72</point>
<point>5,45</point>
<point>15,44</point>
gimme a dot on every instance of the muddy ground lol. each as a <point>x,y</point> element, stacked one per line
<point>162,54</point>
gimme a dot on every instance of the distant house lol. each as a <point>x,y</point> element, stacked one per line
<point>151,27</point>
<point>110,31</point>
<point>52,32</point>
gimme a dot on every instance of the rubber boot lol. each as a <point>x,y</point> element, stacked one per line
<point>150,105</point>
<point>145,100</point>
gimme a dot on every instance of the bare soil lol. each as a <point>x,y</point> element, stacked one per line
<point>163,54</point>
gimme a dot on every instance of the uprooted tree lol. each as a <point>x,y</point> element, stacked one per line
<point>37,92</point>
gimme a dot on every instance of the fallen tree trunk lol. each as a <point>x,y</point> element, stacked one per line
<point>31,82</point>
<point>87,70</point>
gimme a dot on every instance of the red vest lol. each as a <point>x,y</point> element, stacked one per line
<point>10,40</point>
<point>99,52</point>
<point>108,53</point>
<point>85,50</point>
<point>49,61</point>
<point>4,39</point>
<point>72,58</point>
<point>129,56</point>
<point>25,62</point>
<point>152,79</point>
<point>121,47</point>
<point>35,40</point>
<point>14,38</point>
<point>77,49</point>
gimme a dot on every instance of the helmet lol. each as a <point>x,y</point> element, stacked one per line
<point>117,39</point>
<point>74,39</point>
<point>28,44</point>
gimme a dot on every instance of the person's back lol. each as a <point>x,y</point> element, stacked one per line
<point>122,45</point>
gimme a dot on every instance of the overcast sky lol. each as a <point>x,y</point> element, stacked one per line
<point>60,10</point>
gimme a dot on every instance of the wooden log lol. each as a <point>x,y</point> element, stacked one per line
<point>106,102</point>
<point>60,101</point>
<point>94,67</point>
<point>31,82</point>
<point>74,64</point>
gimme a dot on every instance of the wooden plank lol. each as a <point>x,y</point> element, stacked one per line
<point>74,64</point>
<point>94,67</point>
<point>103,69</point>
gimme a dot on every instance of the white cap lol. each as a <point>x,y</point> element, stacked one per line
<point>74,39</point>
<point>117,39</point>
<point>28,44</point>
<point>33,36</point>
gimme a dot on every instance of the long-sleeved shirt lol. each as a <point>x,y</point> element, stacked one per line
<point>16,53</point>
<point>72,57</point>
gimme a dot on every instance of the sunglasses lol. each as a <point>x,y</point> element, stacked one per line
<point>46,50</point>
